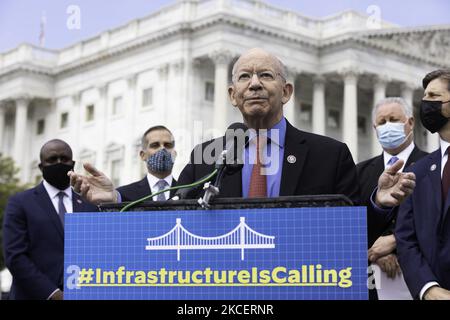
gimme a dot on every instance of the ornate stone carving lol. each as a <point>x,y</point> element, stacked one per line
<point>381,80</point>
<point>178,66</point>
<point>292,73</point>
<point>429,45</point>
<point>102,89</point>
<point>131,80</point>
<point>23,100</point>
<point>163,71</point>
<point>221,57</point>
<point>350,74</point>
<point>319,79</point>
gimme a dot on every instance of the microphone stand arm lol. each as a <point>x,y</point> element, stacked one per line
<point>212,190</point>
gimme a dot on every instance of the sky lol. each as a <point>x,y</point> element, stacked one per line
<point>20,20</point>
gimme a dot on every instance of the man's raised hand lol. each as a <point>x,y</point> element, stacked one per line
<point>394,186</point>
<point>96,187</point>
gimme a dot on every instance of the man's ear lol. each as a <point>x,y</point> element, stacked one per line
<point>40,166</point>
<point>288,89</point>
<point>142,155</point>
<point>411,122</point>
<point>174,155</point>
<point>231,95</point>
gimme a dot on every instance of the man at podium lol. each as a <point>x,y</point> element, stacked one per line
<point>301,163</point>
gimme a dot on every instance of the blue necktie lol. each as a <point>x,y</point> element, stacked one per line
<point>161,184</point>
<point>392,160</point>
<point>61,208</point>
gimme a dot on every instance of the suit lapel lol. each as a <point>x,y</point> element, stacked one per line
<point>446,206</point>
<point>435,177</point>
<point>80,205</point>
<point>296,150</point>
<point>138,189</point>
<point>377,168</point>
<point>144,188</point>
<point>44,201</point>
<point>415,155</point>
<point>232,185</point>
<point>174,183</point>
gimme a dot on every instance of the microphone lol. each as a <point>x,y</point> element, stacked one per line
<point>229,161</point>
<point>236,138</point>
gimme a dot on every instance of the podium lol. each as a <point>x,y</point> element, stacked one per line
<point>300,247</point>
<point>239,203</point>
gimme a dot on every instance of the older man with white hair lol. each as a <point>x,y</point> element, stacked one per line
<point>393,121</point>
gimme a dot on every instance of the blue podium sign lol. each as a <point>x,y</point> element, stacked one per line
<point>251,254</point>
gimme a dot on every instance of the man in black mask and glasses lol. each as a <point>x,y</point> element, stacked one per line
<point>34,227</point>
<point>423,222</point>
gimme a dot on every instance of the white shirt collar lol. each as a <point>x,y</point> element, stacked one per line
<point>53,192</point>
<point>404,155</point>
<point>152,181</point>
<point>444,146</point>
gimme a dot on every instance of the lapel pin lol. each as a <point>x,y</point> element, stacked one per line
<point>433,167</point>
<point>79,201</point>
<point>291,159</point>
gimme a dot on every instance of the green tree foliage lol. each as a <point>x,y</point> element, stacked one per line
<point>9,185</point>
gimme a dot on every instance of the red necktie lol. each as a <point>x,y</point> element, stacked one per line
<point>258,181</point>
<point>446,177</point>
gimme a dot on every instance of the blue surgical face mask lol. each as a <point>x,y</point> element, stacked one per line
<point>391,135</point>
<point>161,161</point>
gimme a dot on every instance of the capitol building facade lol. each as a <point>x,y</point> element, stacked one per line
<point>173,68</point>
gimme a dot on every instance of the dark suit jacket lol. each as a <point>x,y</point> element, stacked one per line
<point>323,166</point>
<point>423,229</point>
<point>139,189</point>
<point>368,173</point>
<point>34,243</point>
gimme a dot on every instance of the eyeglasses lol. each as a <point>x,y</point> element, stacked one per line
<point>263,76</point>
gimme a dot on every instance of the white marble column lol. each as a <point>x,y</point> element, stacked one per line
<point>163,75</point>
<point>175,88</point>
<point>2,124</point>
<point>76,119</point>
<point>290,108</point>
<point>221,60</point>
<point>318,109</point>
<point>379,93</point>
<point>130,102</point>
<point>102,105</point>
<point>52,125</point>
<point>350,114</point>
<point>20,130</point>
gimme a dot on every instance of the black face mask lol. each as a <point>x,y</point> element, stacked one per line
<point>431,116</point>
<point>56,175</point>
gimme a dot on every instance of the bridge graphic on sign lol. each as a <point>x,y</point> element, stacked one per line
<point>242,237</point>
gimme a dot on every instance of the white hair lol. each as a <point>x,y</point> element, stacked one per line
<point>407,108</point>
